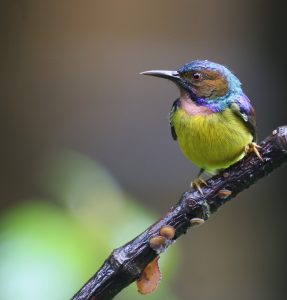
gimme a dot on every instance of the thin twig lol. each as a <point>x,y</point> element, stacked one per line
<point>125,264</point>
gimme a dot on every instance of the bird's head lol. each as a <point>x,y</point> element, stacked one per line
<point>204,82</point>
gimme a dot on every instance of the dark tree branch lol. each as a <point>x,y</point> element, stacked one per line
<point>126,263</point>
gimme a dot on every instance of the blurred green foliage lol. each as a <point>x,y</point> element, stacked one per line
<point>48,249</point>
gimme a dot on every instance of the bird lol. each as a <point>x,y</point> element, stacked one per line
<point>213,120</point>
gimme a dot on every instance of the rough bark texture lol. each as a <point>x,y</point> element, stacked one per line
<point>126,263</point>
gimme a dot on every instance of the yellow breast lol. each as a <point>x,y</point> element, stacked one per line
<point>211,141</point>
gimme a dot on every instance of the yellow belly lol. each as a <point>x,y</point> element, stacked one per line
<point>213,141</point>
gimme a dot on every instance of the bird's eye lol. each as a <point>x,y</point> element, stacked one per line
<point>196,76</point>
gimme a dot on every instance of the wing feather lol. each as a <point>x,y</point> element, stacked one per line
<point>174,108</point>
<point>244,110</point>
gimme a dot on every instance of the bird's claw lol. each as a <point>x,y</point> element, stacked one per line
<point>198,183</point>
<point>253,147</point>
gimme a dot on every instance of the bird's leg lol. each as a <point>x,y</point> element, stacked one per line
<point>253,147</point>
<point>198,182</point>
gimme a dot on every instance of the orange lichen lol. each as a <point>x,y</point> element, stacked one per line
<point>149,278</point>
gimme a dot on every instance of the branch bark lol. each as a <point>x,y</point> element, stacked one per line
<point>126,263</point>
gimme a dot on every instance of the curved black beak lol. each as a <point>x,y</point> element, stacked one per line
<point>171,75</point>
<point>174,76</point>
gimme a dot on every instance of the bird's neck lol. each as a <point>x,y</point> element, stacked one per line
<point>206,105</point>
<point>192,109</point>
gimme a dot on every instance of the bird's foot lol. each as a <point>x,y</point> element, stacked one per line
<point>198,183</point>
<point>253,147</point>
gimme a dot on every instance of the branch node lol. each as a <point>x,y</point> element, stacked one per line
<point>120,260</point>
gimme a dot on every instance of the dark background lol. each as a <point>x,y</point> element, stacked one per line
<point>69,78</point>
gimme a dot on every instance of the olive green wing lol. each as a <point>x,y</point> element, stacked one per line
<point>246,113</point>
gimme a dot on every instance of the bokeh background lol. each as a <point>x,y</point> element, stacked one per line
<point>87,160</point>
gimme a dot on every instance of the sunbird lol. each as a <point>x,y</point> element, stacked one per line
<point>212,120</point>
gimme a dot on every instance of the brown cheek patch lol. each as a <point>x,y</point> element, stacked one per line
<point>216,82</point>
<point>212,74</point>
<point>221,87</point>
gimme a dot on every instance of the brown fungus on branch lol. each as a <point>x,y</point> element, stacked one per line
<point>196,221</point>
<point>224,193</point>
<point>150,278</point>
<point>157,242</point>
<point>167,231</point>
